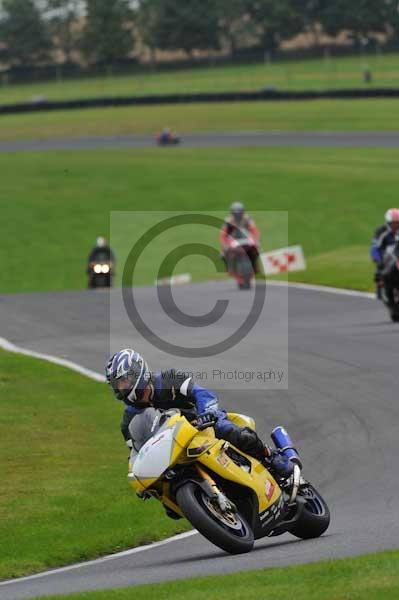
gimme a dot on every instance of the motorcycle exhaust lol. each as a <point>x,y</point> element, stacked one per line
<point>283,443</point>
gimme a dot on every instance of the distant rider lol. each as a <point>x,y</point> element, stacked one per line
<point>384,237</point>
<point>167,136</point>
<point>237,226</point>
<point>146,395</point>
<point>101,252</point>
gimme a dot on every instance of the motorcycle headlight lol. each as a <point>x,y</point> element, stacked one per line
<point>97,268</point>
<point>105,268</point>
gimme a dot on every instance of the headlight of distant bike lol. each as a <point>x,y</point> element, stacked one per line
<point>105,268</point>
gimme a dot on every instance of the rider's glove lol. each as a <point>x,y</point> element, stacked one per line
<point>207,419</point>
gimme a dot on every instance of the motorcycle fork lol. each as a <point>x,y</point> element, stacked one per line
<point>206,477</point>
<point>215,493</point>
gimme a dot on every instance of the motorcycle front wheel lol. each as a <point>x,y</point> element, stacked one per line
<point>228,530</point>
<point>244,270</point>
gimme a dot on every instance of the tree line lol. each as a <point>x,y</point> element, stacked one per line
<point>37,32</point>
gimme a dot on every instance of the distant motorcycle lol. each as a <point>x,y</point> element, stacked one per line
<point>390,280</point>
<point>240,256</point>
<point>100,274</point>
<point>168,138</point>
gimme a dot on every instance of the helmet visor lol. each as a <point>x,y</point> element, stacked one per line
<point>126,388</point>
<point>237,213</point>
<point>123,386</point>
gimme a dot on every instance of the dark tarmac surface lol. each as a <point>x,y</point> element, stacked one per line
<point>222,139</point>
<point>341,408</point>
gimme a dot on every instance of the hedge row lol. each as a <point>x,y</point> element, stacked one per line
<point>262,95</point>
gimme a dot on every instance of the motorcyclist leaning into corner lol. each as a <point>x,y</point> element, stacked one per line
<point>146,395</point>
<point>384,237</point>
<point>237,225</point>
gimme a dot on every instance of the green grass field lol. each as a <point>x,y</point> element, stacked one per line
<point>57,203</point>
<point>64,495</point>
<point>315,115</point>
<point>305,74</point>
<point>373,577</point>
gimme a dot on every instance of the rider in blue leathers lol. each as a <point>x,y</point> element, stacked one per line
<point>133,383</point>
<point>384,237</point>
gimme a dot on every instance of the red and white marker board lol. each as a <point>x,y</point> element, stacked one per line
<point>283,260</point>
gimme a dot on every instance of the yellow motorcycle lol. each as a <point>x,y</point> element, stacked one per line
<point>228,496</point>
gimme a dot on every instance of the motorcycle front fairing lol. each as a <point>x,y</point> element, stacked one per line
<point>160,452</point>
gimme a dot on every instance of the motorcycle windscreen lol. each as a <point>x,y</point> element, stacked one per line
<point>155,456</point>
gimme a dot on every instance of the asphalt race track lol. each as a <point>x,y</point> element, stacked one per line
<point>221,139</point>
<point>341,408</point>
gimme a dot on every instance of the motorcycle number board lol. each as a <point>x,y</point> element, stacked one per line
<point>283,260</point>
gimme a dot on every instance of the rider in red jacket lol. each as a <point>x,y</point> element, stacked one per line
<point>238,220</point>
<point>237,224</point>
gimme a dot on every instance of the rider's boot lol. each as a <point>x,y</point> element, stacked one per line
<point>277,463</point>
<point>247,440</point>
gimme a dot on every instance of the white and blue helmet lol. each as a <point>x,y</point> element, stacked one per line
<point>129,375</point>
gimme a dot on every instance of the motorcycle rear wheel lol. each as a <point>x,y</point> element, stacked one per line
<point>315,516</point>
<point>235,538</point>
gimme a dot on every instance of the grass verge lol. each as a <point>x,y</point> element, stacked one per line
<point>59,202</point>
<point>64,495</point>
<point>315,115</point>
<point>342,72</point>
<point>372,577</point>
